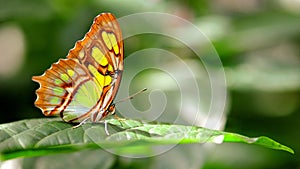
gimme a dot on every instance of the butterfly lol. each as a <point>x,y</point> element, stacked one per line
<point>82,87</point>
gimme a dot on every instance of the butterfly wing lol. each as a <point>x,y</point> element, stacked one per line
<point>90,75</point>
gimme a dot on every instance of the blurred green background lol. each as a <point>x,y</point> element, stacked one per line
<point>258,43</point>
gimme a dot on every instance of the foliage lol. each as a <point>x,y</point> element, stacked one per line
<point>38,137</point>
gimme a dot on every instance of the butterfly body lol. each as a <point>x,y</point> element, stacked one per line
<point>83,86</point>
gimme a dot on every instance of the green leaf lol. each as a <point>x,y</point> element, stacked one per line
<point>37,137</point>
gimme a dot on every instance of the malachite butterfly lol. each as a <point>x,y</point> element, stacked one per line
<point>82,87</point>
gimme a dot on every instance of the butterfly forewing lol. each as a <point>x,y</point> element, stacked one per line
<point>85,84</point>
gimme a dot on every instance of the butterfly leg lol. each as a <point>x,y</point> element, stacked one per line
<point>105,127</point>
<point>81,123</point>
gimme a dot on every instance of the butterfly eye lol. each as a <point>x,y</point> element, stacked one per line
<point>112,109</point>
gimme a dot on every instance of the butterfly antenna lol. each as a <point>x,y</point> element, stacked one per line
<point>130,97</point>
